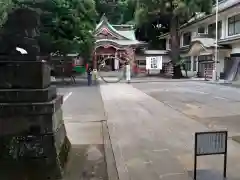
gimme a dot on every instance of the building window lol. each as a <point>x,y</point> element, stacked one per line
<point>142,62</point>
<point>194,63</point>
<point>187,38</point>
<point>234,25</point>
<point>212,30</point>
<point>201,30</point>
<point>187,63</point>
<point>205,58</point>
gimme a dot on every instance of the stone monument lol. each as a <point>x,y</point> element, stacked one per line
<point>33,141</point>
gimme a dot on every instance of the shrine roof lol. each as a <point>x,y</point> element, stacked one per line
<point>125,31</point>
<point>120,42</point>
<point>129,34</point>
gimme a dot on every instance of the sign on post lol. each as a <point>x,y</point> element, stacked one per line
<point>154,62</point>
<point>210,143</point>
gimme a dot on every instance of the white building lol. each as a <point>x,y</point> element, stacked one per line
<point>197,39</point>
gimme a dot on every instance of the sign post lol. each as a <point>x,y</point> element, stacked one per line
<point>128,73</point>
<point>154,62</point>
<point>210,143</point>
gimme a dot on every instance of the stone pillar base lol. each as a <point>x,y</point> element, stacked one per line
<point>33,141</point>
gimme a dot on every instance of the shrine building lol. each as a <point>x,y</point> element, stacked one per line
<point>114,42</point>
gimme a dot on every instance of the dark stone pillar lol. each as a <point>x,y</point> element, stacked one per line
<point>33,141</point>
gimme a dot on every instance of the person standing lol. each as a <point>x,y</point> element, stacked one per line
<point>94,74</point>
<point>89,75</point>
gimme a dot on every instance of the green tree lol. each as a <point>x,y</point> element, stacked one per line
<point>176,12</point>
<point>110,9</point>
<point>66,25</point>
<point>118,11</point>
<point>150,30</point>
<point>127,10</point>
<point>87,17</point>
<point>5,6</point>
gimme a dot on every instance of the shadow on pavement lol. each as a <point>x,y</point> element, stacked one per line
<point>69,84</point>
<point>208,174</point>
<point>86,162</point>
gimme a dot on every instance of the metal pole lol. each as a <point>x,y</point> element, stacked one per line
<point>225,157</point>
<point>215,75</point>
<point>195,159</point>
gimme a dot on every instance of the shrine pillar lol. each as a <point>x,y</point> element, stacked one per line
<point>116,62</point>
<point>95,60</point>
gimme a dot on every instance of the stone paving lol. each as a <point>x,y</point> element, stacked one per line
<point>213,105</point>
<point>152,140</point>
<point>83,116</point>
<point>83,105</point>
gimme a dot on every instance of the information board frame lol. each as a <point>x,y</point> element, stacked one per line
<point>158,65</point>
<point>224,152</point>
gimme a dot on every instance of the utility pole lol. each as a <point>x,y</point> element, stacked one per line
<point>215,76</point>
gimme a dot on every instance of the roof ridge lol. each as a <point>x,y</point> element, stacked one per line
<point>104,18</point>
<point>112,28</point>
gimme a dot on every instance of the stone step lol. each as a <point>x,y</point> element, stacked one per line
<point>22,57</point>
<point>24,74</point>
<point>35,108</point>
<point>27,95</point>
<point>44,123</point>
<point>34,156</point>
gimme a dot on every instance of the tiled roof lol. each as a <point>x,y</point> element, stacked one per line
<point>120,42</point>
<point>128,34</point>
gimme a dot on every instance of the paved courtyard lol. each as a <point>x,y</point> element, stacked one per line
<point>83,113</point>
<point>152,127</point>
<point>213,105</point>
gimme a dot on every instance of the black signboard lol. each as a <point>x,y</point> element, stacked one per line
<point>210,143</point>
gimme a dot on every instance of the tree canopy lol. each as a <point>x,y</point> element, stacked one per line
<point>117,11</point>
<point>173,13</point>
<point>168,14</point>
<point>5,6</point>
<point>66,25</point>
<point>152,18</point>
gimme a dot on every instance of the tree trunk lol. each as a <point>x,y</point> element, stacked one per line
<point>175,47</point>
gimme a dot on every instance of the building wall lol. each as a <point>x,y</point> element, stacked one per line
<point>224,4</point>
<point>221,57</point>
<point>235,48</point>
<point>223,17</point>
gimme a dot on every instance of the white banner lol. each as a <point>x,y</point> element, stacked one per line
<point>128,72</point>
<point>116,64</point>
<point>154,62</point>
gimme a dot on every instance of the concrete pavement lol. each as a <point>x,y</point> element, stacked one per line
<point>215,106</point>
<point>83,116</point>
<point>152,140</point>
<point>82,103</point>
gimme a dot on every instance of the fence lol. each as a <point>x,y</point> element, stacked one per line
<point>208,73</point>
